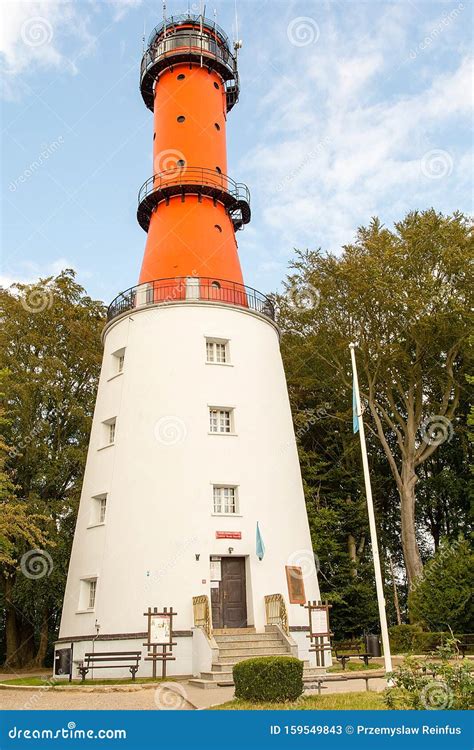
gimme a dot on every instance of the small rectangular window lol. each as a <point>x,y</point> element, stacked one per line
<point>118,359</point>
<point>102,508</point>
<point>217,351</point>
<point>92,592</point>
<point>220,420</point>
<point>225,500</point>
<point>98,509</point>
<point>108,432</point>
<point>112,432</point>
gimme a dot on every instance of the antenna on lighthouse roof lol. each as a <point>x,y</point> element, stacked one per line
<point>237,41</point>
<point>143,38</point>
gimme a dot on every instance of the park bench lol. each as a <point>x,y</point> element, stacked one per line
<point>320,681</point>
<point>466,644</point>
<point>110,660</point>
<point>344,652</point>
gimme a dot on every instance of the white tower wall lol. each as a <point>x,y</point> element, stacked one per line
<point>158,476</point>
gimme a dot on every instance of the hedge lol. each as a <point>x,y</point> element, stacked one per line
<point>412,639</point>
<point>272,679</point>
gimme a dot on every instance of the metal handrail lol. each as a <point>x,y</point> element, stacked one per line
<point>194,176</point>
<point>188,18</point>
<point>275,611</point>
<point>192,42</point>
<point>184,289</point>
<point>202,613</point>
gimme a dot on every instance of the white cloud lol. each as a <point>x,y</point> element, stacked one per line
<point>47,34</point>
<point>351,145</point>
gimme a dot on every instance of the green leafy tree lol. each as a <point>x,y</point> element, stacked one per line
<point>50,348</point>
<point>442,596</point>
<point>403,296</point>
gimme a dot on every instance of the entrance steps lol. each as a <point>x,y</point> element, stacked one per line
<point>245,643</point>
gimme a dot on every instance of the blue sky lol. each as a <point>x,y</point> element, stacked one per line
<point>347,110</point>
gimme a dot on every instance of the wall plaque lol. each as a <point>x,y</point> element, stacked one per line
<point>294,579</point>
<point>228,535</point>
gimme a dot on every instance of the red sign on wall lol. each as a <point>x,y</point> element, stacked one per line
<point>228,535</point>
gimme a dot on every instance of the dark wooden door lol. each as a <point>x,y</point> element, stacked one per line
<point>229,605</point>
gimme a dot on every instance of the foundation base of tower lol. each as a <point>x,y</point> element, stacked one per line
<point>209,660</point>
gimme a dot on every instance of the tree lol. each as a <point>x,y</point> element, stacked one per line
<point>442,596</point>
<point>403,297</point>
<point>50,349</point>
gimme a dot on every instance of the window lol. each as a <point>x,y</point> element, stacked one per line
<point>220,420</point>
<point>216,85</point>
<point>181,118</point>
<point>99,507</point>
<point>91,593</point>
<point>217,351</point>
<point>218,227</point>
<point>108,432</point>
<point>118,362</point>
<point>217,126</point>
<point>225,500</point>
<point>87,594</point>
<point>218,170</point>
<point>181,77</point>
<point>215,285</point>
<point>180,163</point>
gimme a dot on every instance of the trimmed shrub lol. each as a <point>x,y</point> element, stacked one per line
<point>411,639</point>
<point>403,638</point>
<point>273,679</point>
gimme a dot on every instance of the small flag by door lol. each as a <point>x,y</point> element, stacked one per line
<point>260,545</point>
<point>355,418</point>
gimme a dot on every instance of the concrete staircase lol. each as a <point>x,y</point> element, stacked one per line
<point>245,643</point>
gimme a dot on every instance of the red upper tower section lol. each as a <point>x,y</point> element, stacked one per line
<point>190,207</point>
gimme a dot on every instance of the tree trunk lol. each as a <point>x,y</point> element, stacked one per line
<point>351,548</point>
<point>40,655</point>
<point>11,630</point>
<point>411,552</point>
<point>396,602</point>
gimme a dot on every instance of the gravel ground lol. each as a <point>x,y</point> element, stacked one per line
<point>167,696</point>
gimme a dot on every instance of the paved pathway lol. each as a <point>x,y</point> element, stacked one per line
<point>166,696</point>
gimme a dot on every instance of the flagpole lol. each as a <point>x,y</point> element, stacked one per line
<point>372,526</point>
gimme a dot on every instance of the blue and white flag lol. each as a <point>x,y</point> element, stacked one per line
<point>260,545</point>
<point>355,418</point>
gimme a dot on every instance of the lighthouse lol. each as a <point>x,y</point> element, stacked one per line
<point>192,498</point>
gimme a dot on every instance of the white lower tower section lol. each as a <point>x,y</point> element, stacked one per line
<point>147,526</point>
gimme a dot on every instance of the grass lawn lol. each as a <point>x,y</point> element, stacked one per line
<point>47,680</point>
<point>354,666</point>
<point>350,701</point>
